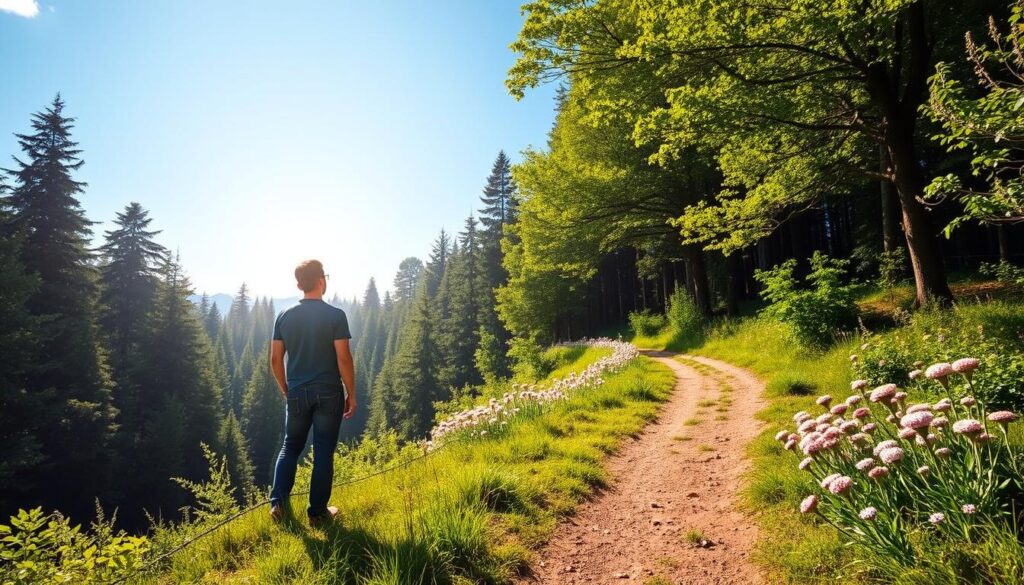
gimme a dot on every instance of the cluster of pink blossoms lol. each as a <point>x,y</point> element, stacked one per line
<point>922,432</point>
<point>496,412</point>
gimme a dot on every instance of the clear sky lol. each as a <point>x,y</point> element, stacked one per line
<point>259,133</point>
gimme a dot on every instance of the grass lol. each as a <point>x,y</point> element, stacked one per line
<point>470,513</point>
<point>693,536</point>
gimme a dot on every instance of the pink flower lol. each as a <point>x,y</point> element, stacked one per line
<point>937,518</point>
<point>985,438</point>
<point>790,444</point>
<point>883,393</point>
<point>917,420</point>
<point>805,463</point>
<point>839,409</point>
<point>781,435</point>
<point>968,426</point>
<point>899,397</point>
<point>891,455</point>
<point>938,371</point>
<point>813,446</point>
<point>914,374</point>
<point>840,485</point>
<point>918,408</point>
<point>878,472</point>
<point>808,425</point>
<point>891,418</point>
<point>924,470</point>
<point>868,513</point>
<point>865,464</point>
<point>943,452</point>
<point>824,400</point>
<point>969,509</point>
<point>887,444</point>
<point>809,504</point>
<point>858,384</point>
<point>868,428</point>
<point>907,434</point>
<point>942,405</point>
<point>968,401</point>
<point>848,427</point>
<point>854,399</point>
<point>860,438</point>
<point>861,413</point>
<point>800,417</point>
<point>1002,417</point>
<point>824,418</point>
<point>966,365</point>
<point>940,422</point>
<point>828,479</point>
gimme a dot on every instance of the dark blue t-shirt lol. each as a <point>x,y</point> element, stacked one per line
<point>308,330</point>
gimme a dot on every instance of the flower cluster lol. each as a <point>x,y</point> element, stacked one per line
<point>926,465</point>
<point>497,411</point>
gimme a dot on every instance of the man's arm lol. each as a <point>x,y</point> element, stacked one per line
<point>277,365</point>
<point>348,374</point>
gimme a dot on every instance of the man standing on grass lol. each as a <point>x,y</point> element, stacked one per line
<point>315,336</point>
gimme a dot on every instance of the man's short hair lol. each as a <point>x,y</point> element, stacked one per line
<point>308,274</point>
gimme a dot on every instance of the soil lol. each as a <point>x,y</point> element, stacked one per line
<point>670,513</point>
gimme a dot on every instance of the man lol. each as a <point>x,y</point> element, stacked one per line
<point>315,337</point>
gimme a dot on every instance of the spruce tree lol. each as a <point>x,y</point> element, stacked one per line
<point>437,262</point>
<point>498,213</point>
<point>263,420</point>
<point>128,280</point>
<point>212,322</point>
<point>415,384</point>
<point>67,365</point>
<point>239,320</point>
<point>371,298</point>
<point>236,452</point>
<point>461,330</point>
<point>499,197</point>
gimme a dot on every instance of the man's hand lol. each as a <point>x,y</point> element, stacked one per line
<point>277,365</point>
<point>350,404</point>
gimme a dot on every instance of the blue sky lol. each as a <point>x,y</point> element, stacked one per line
<point>259,133</point>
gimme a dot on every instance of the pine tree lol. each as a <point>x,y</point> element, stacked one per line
<point>128,278</point>
<point>437,262</point>
<point>204,307</point>
<point>212,322</point>
<point>67,365</point>
<point>177,379</point>
<point>461,330</point>
<point>406,278</point>
<point>499,212</point>
<point>239,320</point>
<point>263,420</point>
<point>499,197</point>
<point>371,299</point>
<point>414,377</point>
<point>236,452</point>
<point>239,378</point>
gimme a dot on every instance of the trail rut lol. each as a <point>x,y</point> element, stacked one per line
<point>670,513</point>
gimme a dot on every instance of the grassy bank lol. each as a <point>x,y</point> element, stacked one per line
<point>470,513</point>
<point>797,548</point>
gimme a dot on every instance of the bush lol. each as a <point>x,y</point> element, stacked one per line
<point>817,311</point>
<point>1004,272</point>
<point>528,361</point>
<point>683,314</point>
<point>646,322</point>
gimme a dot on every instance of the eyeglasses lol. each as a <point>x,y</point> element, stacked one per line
<point>327,277</point>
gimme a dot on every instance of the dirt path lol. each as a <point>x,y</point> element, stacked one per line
<point>670,513</point>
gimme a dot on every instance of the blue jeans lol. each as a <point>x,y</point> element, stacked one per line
<point>319,406</point>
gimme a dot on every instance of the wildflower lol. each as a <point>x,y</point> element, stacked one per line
<point>968,401</point>
<point>861,413</point>
<point>891,455</point>
<point>1003,417</point>
<point>943,452</point>
<point>924,470</point>
<point>790,444</point>
<point>865,464</point>
<point>969,509</point>
<point>918,364</point>
<point>800,417</point>
<point>824,418</point>
<point>914,374</point>
<point>887,444</point>
<point>848,427</point>
<point>918,408</point>
<point>853,399</point>
<point>899,397</point>
<point>805,463</point>
<point>942,406</point>
<point>968,426</point>
<point>878,472</point>
<point>939,422</point>
<point>939,372</point>
<point>853,357</point>
<point>907,434</point>
<point>868,513</point>
<point>883,393</point>
<point>781,435</point>
<point>881,363</point>
<point>891,418</point>
<point>813,446</point>
<point>966,366</point>
<point>937,518</point>
<point>917,420</point>
<point>829,479</point>
<point>839,409</point>
<point>809,504</point>
<point>868,428</point>
<point>860,438</point>
<point>858,384</point>
<point>824,400</point>
<point>925,440</point>
<point>840,485</point>
<point>985,438</point>
<point>807,426</point>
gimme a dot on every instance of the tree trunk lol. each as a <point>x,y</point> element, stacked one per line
<point>734,283</point>
<point>890,205</point>
<point>1004,243</point>
<point>699,270</point>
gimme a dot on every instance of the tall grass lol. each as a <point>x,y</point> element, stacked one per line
<point>470,513</point>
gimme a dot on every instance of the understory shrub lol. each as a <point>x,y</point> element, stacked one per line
<point>904,480</point>
<point>1003,271</point>
<point>646,322</point>
<point>816,309</point>
<point>683,314</point>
